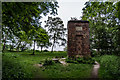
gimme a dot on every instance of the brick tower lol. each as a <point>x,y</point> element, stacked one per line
<point>78,38</point>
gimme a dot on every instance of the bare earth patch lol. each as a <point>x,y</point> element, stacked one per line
<point>38,65</point>
<point>94,73</point>
<point>61,60</point>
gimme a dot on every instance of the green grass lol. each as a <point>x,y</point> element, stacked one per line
<point>21,65</point>
<point>70,71</point>
<point>109,66</point>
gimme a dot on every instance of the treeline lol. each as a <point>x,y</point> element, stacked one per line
<point>21,25</point>
<point>104,18</point>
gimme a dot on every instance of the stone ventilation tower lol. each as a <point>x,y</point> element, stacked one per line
<point>78,38</point>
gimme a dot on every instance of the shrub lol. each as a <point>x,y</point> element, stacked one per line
<point>69,60</point>
<point>85,60</point>
<point>60,51</point>
<point>59,56</point>
<point>37,51</point>
<point>45,50</point>
<point>80,60</point>
<point>110,67</point>
<point>48,62</point>
<point>94,53</point>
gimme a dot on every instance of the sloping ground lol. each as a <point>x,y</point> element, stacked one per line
<point>22,65</point>
<point>109,67</point>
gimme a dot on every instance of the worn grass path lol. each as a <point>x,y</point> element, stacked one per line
<point>94,73</point>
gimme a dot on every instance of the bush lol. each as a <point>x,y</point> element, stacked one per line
<point>94,53</point>
<point>80,60</point>
<point>45,50</point>
<point>37,51</point>
<point>48,62</point>
<point>84,60</point>
<point>110,67</point>
<point>59,56</point>
<point>70,60</point>
<point>61,51</point>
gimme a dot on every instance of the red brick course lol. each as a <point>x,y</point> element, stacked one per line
<point>78,40</point>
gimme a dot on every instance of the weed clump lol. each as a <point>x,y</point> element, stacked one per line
<point>84,60</point>
<point>48,62</point>
<point>110,67</point>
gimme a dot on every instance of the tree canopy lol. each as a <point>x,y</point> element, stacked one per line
<point>19,19</point>
<point>104,26</point>
<point>56,30</point>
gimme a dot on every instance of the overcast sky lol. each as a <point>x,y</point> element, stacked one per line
<point>66,10</point>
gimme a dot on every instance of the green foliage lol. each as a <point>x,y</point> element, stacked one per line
<point>48,62</point>
<point>20,21</point>
<point>109,67</point>
<point>70,71</point>
<point>42,39</point>
<point>118,9</point>
<point>26,61</point>
<point>104,26</point>
<point>84,60</point>
<point>56,30</point>
<point>71,61</point>
<point>19,15</point>
<point>39,36</point>
<point>45,50</point>
<point>12,68</point>
<point>37,51</point>
<point>94,53</point>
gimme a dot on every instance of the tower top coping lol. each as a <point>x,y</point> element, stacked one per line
<point>78,21</point>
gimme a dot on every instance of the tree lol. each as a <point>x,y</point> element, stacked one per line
<point>56,30</point>
<point>44,39</point>
<point>19,16</point>
<point>38,35</point>
<point>103,26</point>
<point>118,9</point>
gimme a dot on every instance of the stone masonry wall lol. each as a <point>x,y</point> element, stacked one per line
<point>78,40</point>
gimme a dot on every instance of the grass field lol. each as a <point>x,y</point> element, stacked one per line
<point>21,65</point>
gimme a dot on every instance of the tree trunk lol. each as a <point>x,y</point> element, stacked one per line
<point>4,44</point>
<point>18,46</point>
<point>41,48</point>
<point>22,49</point>
<point>52,47</point>
<point>10,47</point>
<point>34,48</point>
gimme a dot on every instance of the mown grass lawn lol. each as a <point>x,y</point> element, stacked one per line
<point>21,65</point>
